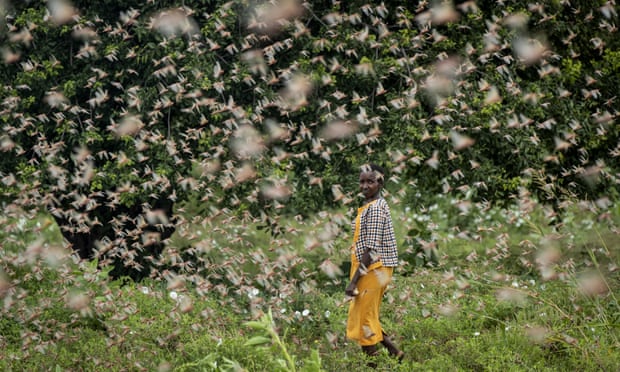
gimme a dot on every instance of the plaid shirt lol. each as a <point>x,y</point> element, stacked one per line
<point>377,234</point>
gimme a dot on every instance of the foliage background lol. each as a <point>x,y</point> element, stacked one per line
<point>211,149</point>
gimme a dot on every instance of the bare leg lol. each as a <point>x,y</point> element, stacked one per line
<point>392,348</point>
<point>371,351</point>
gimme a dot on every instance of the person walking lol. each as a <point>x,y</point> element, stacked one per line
<point>374,256</point>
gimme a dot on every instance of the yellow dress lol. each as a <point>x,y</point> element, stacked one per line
<point>363,324</point>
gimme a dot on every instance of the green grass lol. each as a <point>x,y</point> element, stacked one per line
<point>488,306</point>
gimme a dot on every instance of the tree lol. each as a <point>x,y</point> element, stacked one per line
<point>100,123</point>
<point>115,112</point>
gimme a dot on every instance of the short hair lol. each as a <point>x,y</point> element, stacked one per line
<point>372,167</point>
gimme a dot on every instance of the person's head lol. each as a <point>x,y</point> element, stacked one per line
<point>372,179</point>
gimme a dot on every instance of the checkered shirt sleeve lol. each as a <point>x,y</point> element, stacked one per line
<point>377,234</point>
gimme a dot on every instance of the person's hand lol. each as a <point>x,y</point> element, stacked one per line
<point>351,290</point>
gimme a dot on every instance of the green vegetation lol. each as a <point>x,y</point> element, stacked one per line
<point>511,293</point>
<point>114,112</point>
<point>177,180</point>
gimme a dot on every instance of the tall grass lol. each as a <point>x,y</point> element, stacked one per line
<point>510,291</point>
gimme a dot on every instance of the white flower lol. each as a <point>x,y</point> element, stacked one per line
<point>21,223</point>
<point>515,284</point>
<point>306,312</point>
<point>253,292</point>
<point>144,290</point>
<point>282,311</point>
<point>173,295</point>
<point>476,333</point>
<point>327,313</point>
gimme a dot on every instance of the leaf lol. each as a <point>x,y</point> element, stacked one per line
<point>313,363</point>
<point>232,365</point>
<point>255,324</point>
<point>257,341</point>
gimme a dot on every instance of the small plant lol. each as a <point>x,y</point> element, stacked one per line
<point>269,335</point>
<point>211,361</point>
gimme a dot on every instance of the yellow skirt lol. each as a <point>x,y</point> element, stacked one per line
<point>363,323</point>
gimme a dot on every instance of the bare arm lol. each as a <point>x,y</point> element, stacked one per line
<point>351,289</point>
